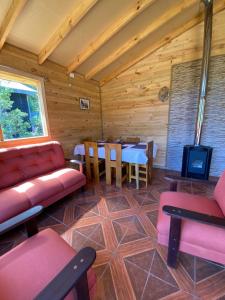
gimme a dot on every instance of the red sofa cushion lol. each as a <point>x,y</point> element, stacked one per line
<point>21,163</point>
<point>12,202</point>
<point>28,268</point>
<point>194,233</point>
<point>31,192</point>
<point>219,193</point>
<point>46,186</point>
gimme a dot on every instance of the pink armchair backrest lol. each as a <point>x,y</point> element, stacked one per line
<point>21,163</point>
<point>219,192</point>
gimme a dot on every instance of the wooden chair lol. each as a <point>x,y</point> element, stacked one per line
<point>93,162</point>
<point>134,140</point>
<point>115,164</point>
<point>143,172</point>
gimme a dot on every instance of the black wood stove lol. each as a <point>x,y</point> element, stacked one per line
<point>197,158</point>
<point>196,161</point>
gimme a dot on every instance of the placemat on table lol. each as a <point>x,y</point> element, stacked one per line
<point>139,147</point>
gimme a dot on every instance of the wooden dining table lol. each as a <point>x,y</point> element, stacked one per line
<point>131,153</point>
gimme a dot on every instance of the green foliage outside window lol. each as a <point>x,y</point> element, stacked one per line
<point>16,123</point>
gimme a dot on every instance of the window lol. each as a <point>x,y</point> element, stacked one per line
<point>22,107</point>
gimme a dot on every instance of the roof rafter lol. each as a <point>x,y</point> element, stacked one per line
<point>65,27</point>
<point>109,33</point>
<point>136,39</point>
<point>218,7</point>
<point>13,12</point>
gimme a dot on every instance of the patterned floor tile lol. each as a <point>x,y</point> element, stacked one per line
<point>128,229</point>
<point>130,265</point>
<point>138,278</point>
<point>157,289</point>
<point>153,216</point>
<point>142,260</point>
<point>105,288</point>
<point>88,236</point>
<point>117,203</point>
<point>205,269</point>
<point>160,270</point>
<point>144,198</point>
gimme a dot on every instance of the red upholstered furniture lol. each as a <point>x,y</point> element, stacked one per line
<point>193,224</point>
<point>34,174</point>
<point>44,266</point>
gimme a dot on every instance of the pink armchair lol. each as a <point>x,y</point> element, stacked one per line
<point>193,224</point>
<point>44,266</point>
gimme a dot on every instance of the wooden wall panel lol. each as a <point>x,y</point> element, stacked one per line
<point>130,102</point>
<point>68,124</point>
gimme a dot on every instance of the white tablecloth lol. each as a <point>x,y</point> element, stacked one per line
<point>129,154</point>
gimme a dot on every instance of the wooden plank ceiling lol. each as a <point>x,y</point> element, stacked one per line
<point>97,38</point>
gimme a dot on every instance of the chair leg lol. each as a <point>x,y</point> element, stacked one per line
<point>96,173</point>
<point>129,172</point>
<point>82,288</point>
<point>108,174</point>
<point>137,176</point>
<point>119,177</point>
<point>88,171</point>
<point>174,241</point>
<point>31,227</point>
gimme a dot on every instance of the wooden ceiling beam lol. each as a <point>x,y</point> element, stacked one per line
<point>13,12</point>
<point>109,33</point>
<point>65,27</point>
<point>137,38</point>
<point>218,7</point>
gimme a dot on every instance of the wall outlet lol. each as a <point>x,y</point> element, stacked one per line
<point>72,75</point>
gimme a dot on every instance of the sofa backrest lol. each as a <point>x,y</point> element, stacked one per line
<point>21,163</point>
<point>219,192</point>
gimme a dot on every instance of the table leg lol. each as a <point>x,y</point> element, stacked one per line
<point>137,175</point>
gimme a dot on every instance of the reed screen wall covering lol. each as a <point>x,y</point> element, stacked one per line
<point>183,112</point>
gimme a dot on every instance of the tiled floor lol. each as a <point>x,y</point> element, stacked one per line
<point>120,225</point>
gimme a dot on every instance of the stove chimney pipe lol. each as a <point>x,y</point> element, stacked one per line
<point>205,68</point>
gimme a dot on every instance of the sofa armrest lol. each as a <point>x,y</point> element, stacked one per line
<point>27,217</point>
<point>76,162</point>
<point>73,275</point>
<point>181,213</point>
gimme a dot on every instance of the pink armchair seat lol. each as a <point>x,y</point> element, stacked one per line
<point>34,174</point>
<point>196,238</point>
<point>27,269</point>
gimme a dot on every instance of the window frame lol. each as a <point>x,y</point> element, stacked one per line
<point>24,77</point>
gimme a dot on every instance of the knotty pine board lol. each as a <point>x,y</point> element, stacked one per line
<point>130,104</point>
<point>68,124</point>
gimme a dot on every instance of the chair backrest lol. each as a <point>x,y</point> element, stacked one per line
<point>113,154</point>
<point>113,159</point>
<point>134,140</point>
<point>219,192</point>
<point>149,153</point>
<point>18,164</point>
<point>91,158</point>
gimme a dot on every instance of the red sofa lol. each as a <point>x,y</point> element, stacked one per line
<point>32,175</point>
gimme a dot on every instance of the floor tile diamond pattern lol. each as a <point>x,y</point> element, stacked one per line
<point>121,225</point>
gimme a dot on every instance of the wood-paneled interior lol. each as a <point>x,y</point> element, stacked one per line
<point>130,104</point>
<point>68,124</point>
